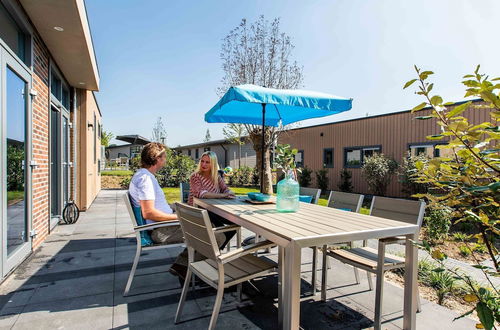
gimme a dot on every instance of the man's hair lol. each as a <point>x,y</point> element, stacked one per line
<point>150,154</point>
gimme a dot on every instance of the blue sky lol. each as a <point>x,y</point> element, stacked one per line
<point>161,58</point>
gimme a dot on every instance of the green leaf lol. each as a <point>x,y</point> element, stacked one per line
<point>425,74</point>
<point>458,110</point>
<point>419,107</point>
<point>495,186</point>
<point>485,315</point>
<point>409,83</point>
<point>424,117</point>
<point>436,100</point>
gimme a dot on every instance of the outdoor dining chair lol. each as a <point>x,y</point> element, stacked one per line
<point>140,230</point>
<point>218,270</point>
<point>378,261</point>
<point>313,192</point>
<point>184,190</point>
<point>347,202</point>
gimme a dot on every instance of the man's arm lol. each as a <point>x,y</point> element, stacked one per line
<point>151,213</point>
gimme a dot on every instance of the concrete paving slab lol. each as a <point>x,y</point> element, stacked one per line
<point>91,312</point>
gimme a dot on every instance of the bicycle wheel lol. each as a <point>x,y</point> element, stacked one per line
<point>71,213</point>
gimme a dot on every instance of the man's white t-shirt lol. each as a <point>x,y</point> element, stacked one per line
<point>145,187</point>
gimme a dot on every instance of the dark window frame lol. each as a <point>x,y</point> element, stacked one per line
<point>301,163</point>
<point>436,152</point>
<point>189,152</point>
<point>325,164</point>
<point>197,153</point>
<point>361,148</point>
<point>206,149</point>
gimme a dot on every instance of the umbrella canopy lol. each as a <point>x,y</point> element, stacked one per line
<point>243,105</point>
<point>251,104</point>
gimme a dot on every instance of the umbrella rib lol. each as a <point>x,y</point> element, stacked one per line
<point>279,114</point>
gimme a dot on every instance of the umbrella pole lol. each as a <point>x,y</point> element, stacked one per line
<point>262,148</point>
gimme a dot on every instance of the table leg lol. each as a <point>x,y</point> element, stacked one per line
<point>281,282</point>
<point>411,289</point>
<point>291,311</point>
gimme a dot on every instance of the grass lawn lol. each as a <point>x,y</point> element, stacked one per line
<point>14,195</point>
<point>173,195</point>
<point>117,173</point>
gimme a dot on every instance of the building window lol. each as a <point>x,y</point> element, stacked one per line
<point>206,149</point>
<point>429,150</point>
<point>299,158</point>
<point>135,151</point>
<point>14,36</point>
<point>189,152</point>
<point>423,149</point>
<point>328,158</point>
<point>59,90</point>
<point>354,157</point>
<point>197,153</point>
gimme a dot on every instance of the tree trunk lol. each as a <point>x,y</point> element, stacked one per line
<point>256,138</point>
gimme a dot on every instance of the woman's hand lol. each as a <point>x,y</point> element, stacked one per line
<point>228,195</point>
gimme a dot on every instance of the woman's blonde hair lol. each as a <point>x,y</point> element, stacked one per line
<point>214,166</point>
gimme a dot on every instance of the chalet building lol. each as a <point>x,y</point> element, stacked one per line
<point>50,119</point>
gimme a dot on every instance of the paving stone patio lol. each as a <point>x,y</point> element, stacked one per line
<point>76,280</point>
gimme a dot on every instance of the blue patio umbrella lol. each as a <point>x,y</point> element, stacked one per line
<point>256,105</point>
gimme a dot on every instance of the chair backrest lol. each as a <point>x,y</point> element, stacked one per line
<point>184,192</point>
<point>398,209</point>
<point>197,230</point>
<point>315,193</point>
<point>128,204</point>
<point>345,200</point>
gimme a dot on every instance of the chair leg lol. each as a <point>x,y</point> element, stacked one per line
<point>314,269</point>
<point>370,280</point>
<point>356,275</point>
<point>218,302</point>
<point>134,267</point>
<point>185,289</point>
<point>379,291</point>
<point>324,274</point>
<point>419,304</point>
<point>239,288</point>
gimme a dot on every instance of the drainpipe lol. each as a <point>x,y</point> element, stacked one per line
<point>74,125</point>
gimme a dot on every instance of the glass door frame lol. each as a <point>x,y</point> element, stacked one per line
<point>10,61</point>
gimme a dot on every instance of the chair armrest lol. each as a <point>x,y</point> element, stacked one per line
<point>224,229</point>
<point>393,240</point>
<point>158,224</point>
<point>235,254</point>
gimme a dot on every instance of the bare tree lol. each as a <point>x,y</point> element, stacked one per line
<point>235,134</point>
<point>207,136</point>
<point>159,132</point>
<point>259,53</point>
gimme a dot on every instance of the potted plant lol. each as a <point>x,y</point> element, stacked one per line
<point>287,199</point>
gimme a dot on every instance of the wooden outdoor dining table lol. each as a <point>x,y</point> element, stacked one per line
<point>315,225</point>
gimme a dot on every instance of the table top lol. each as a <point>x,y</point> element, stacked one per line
<point>312,225</point>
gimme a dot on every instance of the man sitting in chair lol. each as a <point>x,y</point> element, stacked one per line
<point>146,193</point>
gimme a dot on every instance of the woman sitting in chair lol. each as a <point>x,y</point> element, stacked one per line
<point>206,182</point>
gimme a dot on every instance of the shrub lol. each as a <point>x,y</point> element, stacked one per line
<point>305,177</point>
<point>255,176</point>
<point>15,172</point>
<point>442,281</point>
<point>177,169</point>
<point>377,171</point>
<point>460,237</point>
<point>322,179</point>
<point>437,221</point>
<point>242,176</point>
<point>135,163</point>
<point>464,250</point>
<point>408,175</point>
<point>125,182</point>
<point>345,183</point>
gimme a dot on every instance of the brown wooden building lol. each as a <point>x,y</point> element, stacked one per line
<point>345,144</point>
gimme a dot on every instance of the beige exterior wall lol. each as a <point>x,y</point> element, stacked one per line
<point>393,133</point>
<point>89,150</point>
